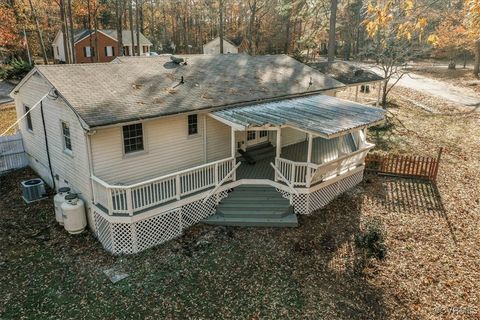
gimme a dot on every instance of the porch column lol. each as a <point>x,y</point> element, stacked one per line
<point>356,94</point>
<point>377,104</point>
<point>233,143</point>
<point>309,159</point>
<point>279,142</point>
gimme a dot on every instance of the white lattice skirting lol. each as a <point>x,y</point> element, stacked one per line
<point>306,203</point>
<point>128,238</point>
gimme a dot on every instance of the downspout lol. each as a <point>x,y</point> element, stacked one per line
<point>46,146</point>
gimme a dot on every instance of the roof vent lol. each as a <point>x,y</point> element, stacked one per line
<point>177,60</point>
<point>358,72</point>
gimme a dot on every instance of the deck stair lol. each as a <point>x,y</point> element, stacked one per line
<point>254,206</point>
<point>260,151</point>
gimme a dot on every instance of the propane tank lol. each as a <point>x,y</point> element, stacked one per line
<point>74,219</point>
<point>58,200</point>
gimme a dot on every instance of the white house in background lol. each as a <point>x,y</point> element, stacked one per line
<point>229,46</point>
<point>161,146</point>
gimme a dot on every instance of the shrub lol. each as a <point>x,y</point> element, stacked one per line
<point>17,69</point>
<point>372,240</point>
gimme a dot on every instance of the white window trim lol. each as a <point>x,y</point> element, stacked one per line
<point>88,51</point>
<point>111,51</point>
<point>26,118</point>
<point>64,145</point>
<point>135,153</point>
<point>194,135</point>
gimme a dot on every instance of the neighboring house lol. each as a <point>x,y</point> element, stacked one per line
<point>351,76</point>
<point>161,146</point>
<point>107,45</point>
<point>237,45</point>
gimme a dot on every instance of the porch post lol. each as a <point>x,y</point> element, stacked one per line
<point>279,142</point>
<point>379,89</point>
<point>356,94</point>
<point>233,142</point>
<point>309,159</point>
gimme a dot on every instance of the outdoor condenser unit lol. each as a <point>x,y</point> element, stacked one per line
<point>33,190</point>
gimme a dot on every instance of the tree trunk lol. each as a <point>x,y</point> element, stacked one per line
<point>331,32</point>
<point>287,32</point>
<point>39,33</point>
<point>220,32</point>
<point>253,12</point>
<point>72,39</point>
<point>137,24</point>
<point>476,66</point>
<point>130,17</point>
<point>119,15</point>
<point>90,31</point>
<point>452,64</point>
<point>64,31</point>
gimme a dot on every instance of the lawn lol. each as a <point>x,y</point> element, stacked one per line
<point>314,271</point>
<point>7,117</point>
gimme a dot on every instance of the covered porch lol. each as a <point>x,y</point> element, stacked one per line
<point>312,140</point>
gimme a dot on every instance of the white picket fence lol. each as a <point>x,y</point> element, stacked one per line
<point>12,153</point>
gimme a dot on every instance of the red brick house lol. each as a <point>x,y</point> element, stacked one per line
<point>85,41</point>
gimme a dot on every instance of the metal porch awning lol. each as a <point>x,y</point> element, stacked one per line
<point>320,115</point>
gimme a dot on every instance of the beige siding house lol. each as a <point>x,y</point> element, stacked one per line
<point>154,146</point>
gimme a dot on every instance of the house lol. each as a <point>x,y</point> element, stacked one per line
<point>237,45</point>
<point>352,76</point>
<point>107,45</point>
<point>163,145</point>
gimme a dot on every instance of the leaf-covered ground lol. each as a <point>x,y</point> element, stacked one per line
<point>310,272</point>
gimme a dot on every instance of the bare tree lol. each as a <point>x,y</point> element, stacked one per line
<point>476,65</point>
<point>119,11</point>
<point>130,17</point>
<point>137,24</point>
<point>331,31</point>
<point>39,32</point>
<point>221,28</point>
<point>72,39</point>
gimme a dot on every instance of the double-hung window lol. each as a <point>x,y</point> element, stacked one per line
<point>109,51</point>
<point>67,140</point>
<point>133,138</point>
<point>88,52</point>
<point>192,124</point>
<point>29,118</point>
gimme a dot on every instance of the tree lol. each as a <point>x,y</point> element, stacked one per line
<point>472,9</point>
<point>39,32</point>
<point>221,28</point>
<point>396,37</point>
<point>332,30</point>
<point>451,37</point>
<point>130,18</point>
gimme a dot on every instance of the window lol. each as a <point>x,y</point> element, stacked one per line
<point>145,49</point>
<point>29,118</point>
<point>192,124</point>
<point>133,138</point>
<point>109,51</point>
<point>251,135</point>
<point>88,52</point>
<point>263,133</point>
<point>126,50</point>
<point>67,141</point>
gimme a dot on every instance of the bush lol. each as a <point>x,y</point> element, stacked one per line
<point>2,73</point>
<point>372,240</point>
<point>17,69</point>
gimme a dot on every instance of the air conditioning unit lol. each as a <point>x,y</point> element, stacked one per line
<point>33,190</point>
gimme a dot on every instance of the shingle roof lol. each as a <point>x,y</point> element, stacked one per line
<point>346,72</point>
<point>126,36</point>
<point>108,93</point>
<point>320,114</point>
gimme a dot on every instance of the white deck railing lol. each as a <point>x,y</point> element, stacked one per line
<point>307,174</point>
<point>133,198</point>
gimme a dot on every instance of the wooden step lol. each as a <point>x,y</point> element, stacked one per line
<point>254,205</point>
<point>287,221</point>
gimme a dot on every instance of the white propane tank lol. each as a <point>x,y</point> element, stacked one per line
<point>74,219</point>
<point>58,200</point>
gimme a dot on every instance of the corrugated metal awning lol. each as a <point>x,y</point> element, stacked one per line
<point>321,115</point>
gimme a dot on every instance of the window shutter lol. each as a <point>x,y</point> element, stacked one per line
<point>106,52</point>
<point>85,52</point>
<point>113,51</point>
